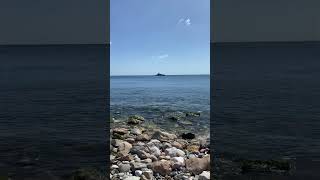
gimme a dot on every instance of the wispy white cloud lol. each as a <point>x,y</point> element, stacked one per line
<point>161,57</point>
<point>184,21</point>
<point>188,22</point>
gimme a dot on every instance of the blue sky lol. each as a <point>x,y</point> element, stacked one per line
<point>166,36</point>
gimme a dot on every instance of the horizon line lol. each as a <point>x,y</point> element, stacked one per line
<point>155,75</point>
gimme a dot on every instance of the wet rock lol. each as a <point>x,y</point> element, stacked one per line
<point>136,119</point>
<point>188,136</point>
<point>198,165</point>
<point>162,167</point>
<point>163,136</point>
<point>174,152</point>
<point>175,116</point>
<point>205,175</point>
<point>195,114</point>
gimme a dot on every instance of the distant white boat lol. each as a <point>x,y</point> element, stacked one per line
<point>160,74</point>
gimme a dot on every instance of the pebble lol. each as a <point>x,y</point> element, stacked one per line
<point>174,152</point>
<point>138,172</point>
<point>205,175</point>
<point>124,168</point>
<point>160,156</point>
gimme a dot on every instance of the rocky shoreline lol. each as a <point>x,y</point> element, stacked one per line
<point>142,151</point>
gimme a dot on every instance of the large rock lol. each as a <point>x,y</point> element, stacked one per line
<point>122,146</point>
<point>198,165</point>
<point>205,175</point>
<point>163,136</point>
<point>162,167</point>
<point>120,131</point>
<point>136,119</point>
<point>177,162</point>
<point>174,152</point>
<point>143,137</point>
<point>136,131</point>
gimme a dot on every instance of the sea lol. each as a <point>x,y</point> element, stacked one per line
<point>53,110</point>
<point>266,103</point>
<point>155,97</point>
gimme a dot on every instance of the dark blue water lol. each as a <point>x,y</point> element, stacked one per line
<point>154,96</point>
<point>52,109</point>
<point>266,101</point>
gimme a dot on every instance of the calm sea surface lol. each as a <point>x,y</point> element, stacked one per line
<point>266,102</point>
<point>52,109</point>
<point>155,96</point>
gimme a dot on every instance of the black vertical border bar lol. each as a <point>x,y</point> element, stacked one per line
<point>107,79</point>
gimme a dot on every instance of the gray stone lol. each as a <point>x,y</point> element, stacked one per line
<point>138,172</point>
<point>174,152</point>
<point>136,131</point>
<point>124,168</point>
<point>177,162</point>
<point>205,175</point>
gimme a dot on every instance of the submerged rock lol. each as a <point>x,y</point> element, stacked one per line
<point>163,136</point>
<point>136,119</point>
<point>175,116</point>
<point>193,114</point>
<point>188,136</point>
